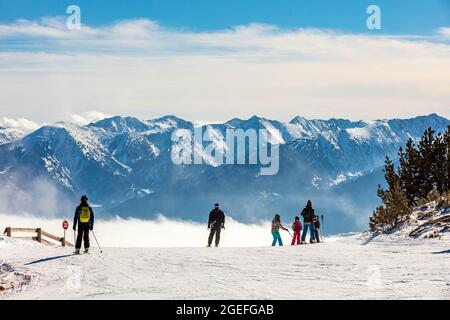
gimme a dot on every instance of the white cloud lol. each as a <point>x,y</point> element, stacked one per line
<point>445,32</point>
<point>140,68</point>
<point>88,117</point>
<point>47,27</point>
<point>21,124</point>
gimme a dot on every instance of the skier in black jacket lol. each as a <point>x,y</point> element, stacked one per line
<point>84,216</point>
<point>216,223</point>
<point>308,215</point>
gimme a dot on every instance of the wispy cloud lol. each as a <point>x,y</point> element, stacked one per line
<point>47,27</point>
<point>87,117</point>
<point>141,68</point>
<point>21,124</point>
<point>444,32</point>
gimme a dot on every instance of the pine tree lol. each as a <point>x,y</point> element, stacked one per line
<point>439,166</point>
<point>395,208</point>
<point>408,171</point>
<point>389,173</point>
<point>423,175</point>
<point>447,158</point>
<point>426,173</point>
<point>374,220</point>
<point>399,205</point>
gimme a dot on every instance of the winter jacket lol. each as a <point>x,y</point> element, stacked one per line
<point>276,225</point>
<point>308,214</point>
<point>79,219</point>
<point>316,222</point>
<point>297,226</point>
<point>216,219</point>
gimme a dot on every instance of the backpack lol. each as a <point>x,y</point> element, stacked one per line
<point>85,214</point>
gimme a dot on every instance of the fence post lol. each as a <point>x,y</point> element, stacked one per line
<point>63,240</point>
<point>39,234</point>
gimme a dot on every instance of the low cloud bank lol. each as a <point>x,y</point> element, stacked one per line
<point>22,193</point>
<point>161,232</point>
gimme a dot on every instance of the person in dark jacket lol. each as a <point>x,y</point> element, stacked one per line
<point>216,223</point>
<point>316,223</point>
<point>84,217</point>
<point>308,215</point>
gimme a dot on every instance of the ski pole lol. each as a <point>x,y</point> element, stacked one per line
<point>323,229</point>
<point>290,233</point>
<point>101,251</point>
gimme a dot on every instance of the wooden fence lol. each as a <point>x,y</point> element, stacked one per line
<point>39,236</point>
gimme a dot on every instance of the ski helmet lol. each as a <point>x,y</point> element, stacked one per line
<point>84,198</point>
<point>216,205</point>
<point>277,216</point>
<point>297,218</point>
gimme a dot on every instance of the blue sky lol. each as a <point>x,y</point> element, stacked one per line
<point>399,16</point>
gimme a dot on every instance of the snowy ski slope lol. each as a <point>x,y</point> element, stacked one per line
<point>347,267</point>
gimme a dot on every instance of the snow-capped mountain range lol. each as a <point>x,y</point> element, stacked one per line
<point>124,165</point>
<point>9,134</point>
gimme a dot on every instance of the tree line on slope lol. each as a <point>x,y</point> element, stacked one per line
<point>422,175</point>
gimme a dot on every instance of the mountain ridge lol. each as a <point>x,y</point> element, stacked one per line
<point>124,163</point>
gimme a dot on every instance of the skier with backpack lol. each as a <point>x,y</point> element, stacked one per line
<point>308,215</point>
<point>84,217</point>
<point>316,223</point>
<point>216,223</point>
<point>276,226</point>
<point>296,227</point>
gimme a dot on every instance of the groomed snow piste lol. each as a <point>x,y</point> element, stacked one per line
<point>347,267</point>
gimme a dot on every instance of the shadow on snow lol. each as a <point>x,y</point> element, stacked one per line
<point>49,259</point>
<point>440,252</point>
